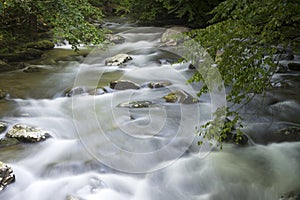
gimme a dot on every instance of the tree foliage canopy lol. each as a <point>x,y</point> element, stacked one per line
<point>70,20</point>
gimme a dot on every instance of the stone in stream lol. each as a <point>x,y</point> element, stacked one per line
<point>171,36</point>
<point>7,142</point>
<point>6,175</point>
<point>159,84</point>
<point>180,96</point>
<point>72,197</point>
<point>124,85</point>
<point>136,104</point>
<point>25,133</point>
<point>3,127</point>
<point>294,66</point>
<point>118,59</point>
<point>2,94</point>
<point>76,91</point>
<point>117,39</point>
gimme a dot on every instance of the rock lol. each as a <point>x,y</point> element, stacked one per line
<point>25,133</point>
<point>72,197</point>
<point>289,134</point>
<point>294,66</point>
<point>180,96</point>
<point>124,85</point>
<point>3,127</point>
<point>232,138</point>
<point>118,59</point>
<point>136,104</point>
<point>4,66</point>
<point>160,84</point>
<point>7,142</point>
<point>75,92</point>
<point>2,94</point>
<point>27,54</point>
<point>294,195</point>
<point>32,69</point>
<point>6,175</point>
<point>41,45</point>
<point>282,69</point>
<point>117,39</point>
<point>169,36</point>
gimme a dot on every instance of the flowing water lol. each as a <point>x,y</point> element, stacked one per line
<point>100,150</point>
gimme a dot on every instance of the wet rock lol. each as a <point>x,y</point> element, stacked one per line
<point>282,69</point>
<point>2,94</point>
<point>7,142</point>
<point>41,45</point>
<point>180,96</point>
<point>27,54</point>
<point>25,133</point>
<point>160,84</point>
<point>75,92</point>
<point>6,175</point>
<point>3,127</point>
<point>4,66</point>
<point>136,104</point>
<point>32,69</point>
<point>294,66</point>
<point>117,39</point>
<point>289,134</point>
<point>171,36</point>
<point>72,197</point>
<point>118,59</point>
<point>294,195</point>
<point>124,85</point>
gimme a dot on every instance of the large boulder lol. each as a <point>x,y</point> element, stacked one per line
<point>124,85</point>
<point>6,175</point>
<point>25,133</point>
<point>171,36</point>
<point>118,59</point>
<point>180,96</point>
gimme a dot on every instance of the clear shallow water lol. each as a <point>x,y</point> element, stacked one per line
<point>102,151</point>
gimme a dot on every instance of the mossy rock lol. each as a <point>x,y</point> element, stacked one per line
<point>41,45</point>
<point>7,142</point>
<point>27,54</point>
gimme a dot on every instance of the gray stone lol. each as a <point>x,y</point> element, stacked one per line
<point>25,133</point>
<point>171,37</point>
<point>118,59</point>
<point>117,39</point>
<point>124,85</point>
<point>159,84</point>
<point>72,197</point>
<point>6,175</point>
<point>180,96</point>
<point>75,91</point>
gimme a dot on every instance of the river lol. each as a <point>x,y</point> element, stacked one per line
<point>101,150</point>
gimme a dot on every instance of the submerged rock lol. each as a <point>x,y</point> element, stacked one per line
<point>6,175</point>
<point>136,104</point>
<point>124,85</point>
<point>289,134</point>
<point>75,91</point>
<point>117,39</point>
<point>180,96</point>
<point>25,133</point>
<point>32,69</point>
<point>72,197</point>
<point>118,59</point>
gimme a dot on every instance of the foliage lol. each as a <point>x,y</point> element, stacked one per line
<point>70,20</point>
<point>244,37</point>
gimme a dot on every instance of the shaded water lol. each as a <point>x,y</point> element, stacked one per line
<point>101,151</point>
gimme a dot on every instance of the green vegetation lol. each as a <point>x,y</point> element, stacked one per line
<point>22,20</point>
